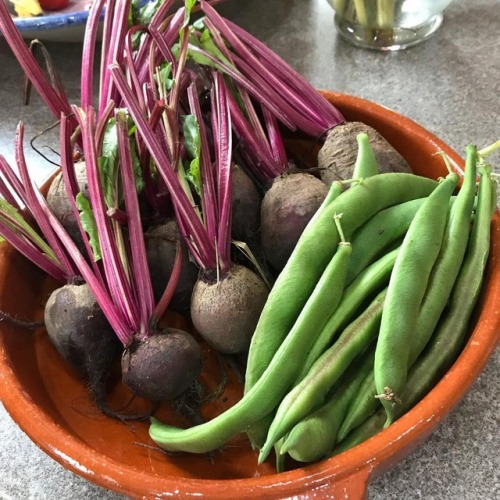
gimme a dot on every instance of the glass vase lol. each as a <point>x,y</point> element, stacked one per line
<point>388,24</point>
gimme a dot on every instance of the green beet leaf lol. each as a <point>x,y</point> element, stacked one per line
<point>89,225</point>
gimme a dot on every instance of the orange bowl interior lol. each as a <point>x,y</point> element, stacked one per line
<point>54,407</point>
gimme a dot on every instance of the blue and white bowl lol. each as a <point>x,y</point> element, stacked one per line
<point>65,25</point>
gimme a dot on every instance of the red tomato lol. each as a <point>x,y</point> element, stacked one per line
<point>53,4</point>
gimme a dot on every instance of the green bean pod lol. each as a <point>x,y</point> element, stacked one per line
<point>494,194</point>
<point>449,260</point>
<point>310,393</point>
<point>361,408</point>
<point>371,426</point>
<point>257,432</point>
<point>382,231</point>
<point>280,458</point>
<point>405,293</point>
<point>450,335</point>
<point>439,287</point>
<point>366,162</point>
<point>312,253</point>
<point>266,394</point>
<point>448,339</point>
<point>315,436</point>
<point>369,282</point>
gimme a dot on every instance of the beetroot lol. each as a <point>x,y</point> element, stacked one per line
<point>161,244</point>
<point>337,156</point>
<point>170,358</point>
<point>82,335</point>
<point>226,312</point>
<point>57,198</point>
<point>246,202</point>
<point>77,326</point>
<point>286,209</point>
<point>121,281</point>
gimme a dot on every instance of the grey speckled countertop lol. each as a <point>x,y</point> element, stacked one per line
<point>450,85</point>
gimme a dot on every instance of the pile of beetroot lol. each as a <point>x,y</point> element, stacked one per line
<point>176,166</point>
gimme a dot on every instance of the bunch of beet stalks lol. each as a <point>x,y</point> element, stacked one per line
<point>181,155</point>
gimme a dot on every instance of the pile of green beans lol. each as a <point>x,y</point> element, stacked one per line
<point>451,332</point>
<point>432,289</point>
<point>362,320</point>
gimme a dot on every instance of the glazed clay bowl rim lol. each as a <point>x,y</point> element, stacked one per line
<point>346,474</point>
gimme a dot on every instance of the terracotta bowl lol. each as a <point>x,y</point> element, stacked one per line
<point>52,406</point>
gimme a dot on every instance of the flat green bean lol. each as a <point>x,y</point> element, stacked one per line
<point>315,436</point>
<point>310,393</point>
<point>449,260</point>
<point>371,426</point>
<point>439,287</point>
<point>258,431</point>
<point>380,232</point>
<point>312,253</point>
<point>447,341</point>
<point>361,408</point>
<point>450,335</point>
<point>369,282</point>
<point>405,293</point>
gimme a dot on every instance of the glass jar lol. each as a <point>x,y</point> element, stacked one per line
<point>388,24</point>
